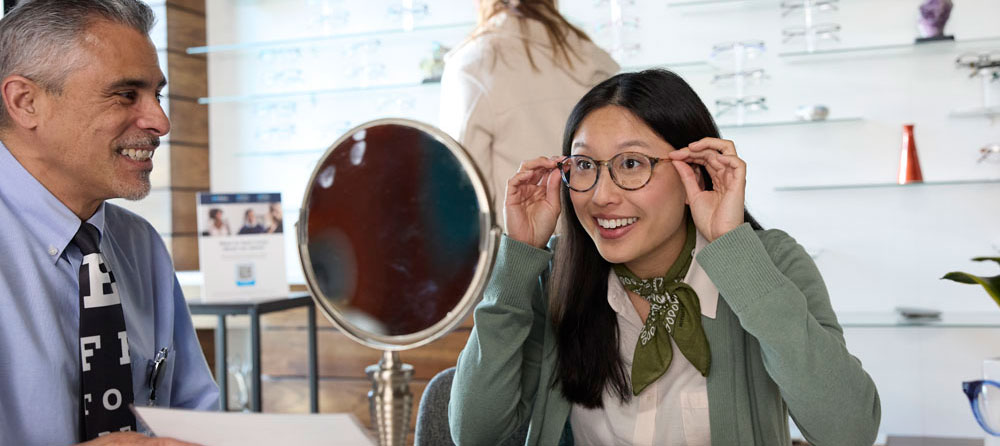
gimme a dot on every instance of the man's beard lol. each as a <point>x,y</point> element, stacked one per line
<point>135,191</point>
<point>141,190</point>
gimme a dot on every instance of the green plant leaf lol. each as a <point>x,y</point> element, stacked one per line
<point>991,284</point>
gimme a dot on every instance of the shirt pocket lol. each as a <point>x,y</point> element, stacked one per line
<point>694,411</point>
<point>143,379</point>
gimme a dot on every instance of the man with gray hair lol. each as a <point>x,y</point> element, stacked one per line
<point>92,318</point>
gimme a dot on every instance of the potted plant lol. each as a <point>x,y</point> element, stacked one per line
<point>991,284</point>
<point>975,389</point>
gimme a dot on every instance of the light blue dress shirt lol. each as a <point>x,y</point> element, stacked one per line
<point>40,315</point>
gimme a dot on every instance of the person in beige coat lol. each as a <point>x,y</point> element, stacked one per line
<point>507,90</point>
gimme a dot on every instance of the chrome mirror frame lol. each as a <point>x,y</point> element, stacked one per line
<point>390,378</point>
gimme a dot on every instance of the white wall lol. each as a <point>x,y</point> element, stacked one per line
<point>877,247</point>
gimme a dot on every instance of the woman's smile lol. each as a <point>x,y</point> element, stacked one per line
<point>614,227</point>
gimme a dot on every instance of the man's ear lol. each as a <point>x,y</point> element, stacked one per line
<point>22,98</point>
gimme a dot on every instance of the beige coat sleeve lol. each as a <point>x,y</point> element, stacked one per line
<point>466,115</point>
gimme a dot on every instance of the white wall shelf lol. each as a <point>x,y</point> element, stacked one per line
<point>894,320</point>
<point>727,125</point>
<point>694,3</point>
<point>381,33</point>
<point>885,185</point>
<point>312,93</point>
<point>667,66</point>
<point>892,49</point>
<point>981,112</point>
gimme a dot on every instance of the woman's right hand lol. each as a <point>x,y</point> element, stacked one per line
<point>531,205</point>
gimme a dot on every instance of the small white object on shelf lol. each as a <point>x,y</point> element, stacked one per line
<point>812,112</point>
<point>979,112</point>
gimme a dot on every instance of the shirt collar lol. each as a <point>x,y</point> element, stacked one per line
<point>52,224</point>
<point>697,278</point>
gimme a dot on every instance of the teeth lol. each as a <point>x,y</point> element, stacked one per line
<point>138,155</point>
<point>616,222</point>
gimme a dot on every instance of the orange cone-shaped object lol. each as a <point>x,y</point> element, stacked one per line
<point>909,165</point>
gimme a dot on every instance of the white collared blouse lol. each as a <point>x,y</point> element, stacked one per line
<point>671,411</point>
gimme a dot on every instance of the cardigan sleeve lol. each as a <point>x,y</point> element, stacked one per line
<point>779,297</point>
<point>496,377</point>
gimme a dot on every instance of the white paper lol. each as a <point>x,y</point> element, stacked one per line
<point>250,429</point>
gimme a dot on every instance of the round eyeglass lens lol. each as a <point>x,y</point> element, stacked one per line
<point>579,172</point>
<point>631,170</point>
<point>988,403</point>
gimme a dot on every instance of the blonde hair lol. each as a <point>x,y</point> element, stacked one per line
<point>542,11</point>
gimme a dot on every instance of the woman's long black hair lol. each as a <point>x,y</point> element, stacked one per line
<point>586,326</point>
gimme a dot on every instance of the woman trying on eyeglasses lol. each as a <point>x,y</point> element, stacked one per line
<point>668,316</point>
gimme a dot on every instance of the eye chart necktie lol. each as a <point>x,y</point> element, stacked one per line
<point>106,369</point>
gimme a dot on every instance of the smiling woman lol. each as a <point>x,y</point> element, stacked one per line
<point>671,317</point>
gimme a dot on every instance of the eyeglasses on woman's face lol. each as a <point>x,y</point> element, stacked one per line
<point>984,397</point>
<point>628,170</point>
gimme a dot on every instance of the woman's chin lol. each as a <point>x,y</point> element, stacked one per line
<point>614,254</point>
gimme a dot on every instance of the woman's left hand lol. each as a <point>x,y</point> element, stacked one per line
<point>717,211</point>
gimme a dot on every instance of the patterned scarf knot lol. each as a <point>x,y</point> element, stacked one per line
<point>674,306</point>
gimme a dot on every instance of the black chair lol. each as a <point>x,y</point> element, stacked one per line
<point>432,417</point>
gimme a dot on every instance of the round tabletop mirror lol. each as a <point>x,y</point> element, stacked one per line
<point>396,234</point>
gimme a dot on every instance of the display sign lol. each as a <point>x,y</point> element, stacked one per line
<point>241,246</point>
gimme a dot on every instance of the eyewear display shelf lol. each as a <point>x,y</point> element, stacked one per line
<point>254,310</point>
<point>249,47</point>
<point>285,43</point>
<point>727,125</point>
<point>889,319</point>
<point>312,93</point>
<point>885,185</point>
<point>903,48</point>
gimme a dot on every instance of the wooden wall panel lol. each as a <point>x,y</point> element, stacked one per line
<point>283,353</point>
<point>206,338</point>
<point>185,27</point>
<point>183,206</point>
<point>184,249</point>
<point>196,6</point>
<point>187,74</point>
<point>188,80</point>
<point>296,318</point>
<point>188,123</point>
<point>189,167</point>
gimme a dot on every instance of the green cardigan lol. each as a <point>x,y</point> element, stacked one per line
<point>776,346</point>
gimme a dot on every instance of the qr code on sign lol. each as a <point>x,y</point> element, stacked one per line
<point>246,275</point>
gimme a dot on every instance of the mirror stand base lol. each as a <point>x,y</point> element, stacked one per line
<point>390,399</point>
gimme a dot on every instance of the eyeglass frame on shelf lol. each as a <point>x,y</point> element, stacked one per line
<point>973,389</point>
<point>752,103</point>
<point>789,6</point>
<point>828,31</point>
<point>988,152</point>
<point>608,164</point>
<point>751,48</point>
<point>755,74</point>
<point>630,23</point>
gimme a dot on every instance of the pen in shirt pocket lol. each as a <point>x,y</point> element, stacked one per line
<point>158,364</point>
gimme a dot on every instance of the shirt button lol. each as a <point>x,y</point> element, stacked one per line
<point>53,251</point>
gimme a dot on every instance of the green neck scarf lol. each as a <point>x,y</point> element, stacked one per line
<point>674,313</point>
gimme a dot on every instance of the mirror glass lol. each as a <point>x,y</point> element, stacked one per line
<point>396,233</point>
